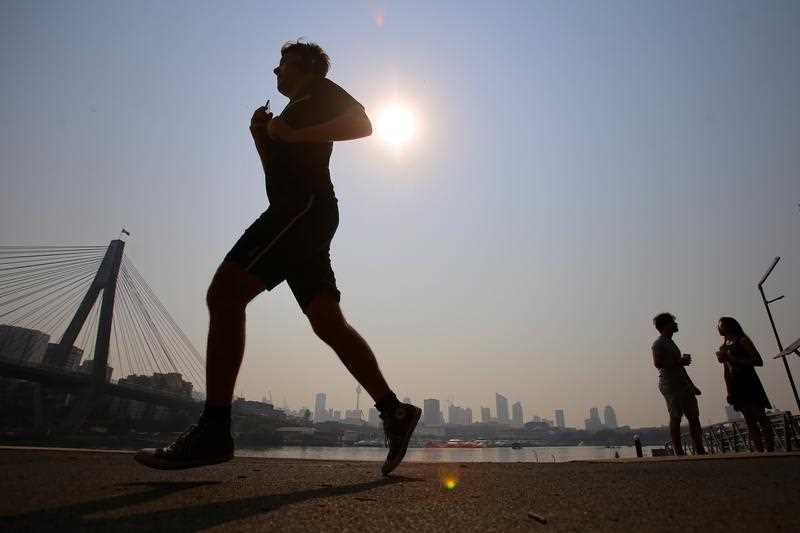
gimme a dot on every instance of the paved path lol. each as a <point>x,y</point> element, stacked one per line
<point>76,490</point>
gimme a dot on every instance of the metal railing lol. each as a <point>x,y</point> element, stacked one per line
<point>733,436</point>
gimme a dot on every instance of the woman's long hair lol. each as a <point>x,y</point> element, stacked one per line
<point>732,328</point>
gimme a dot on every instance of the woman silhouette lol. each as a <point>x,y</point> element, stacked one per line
<point>739,357</point>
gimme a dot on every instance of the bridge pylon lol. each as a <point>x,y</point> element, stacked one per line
<point>105,281</point>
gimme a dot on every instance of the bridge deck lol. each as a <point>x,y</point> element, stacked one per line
<point>69,490</point>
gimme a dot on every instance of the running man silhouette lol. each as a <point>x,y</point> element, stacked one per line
<point>289,242</point>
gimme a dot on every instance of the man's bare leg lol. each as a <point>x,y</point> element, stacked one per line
<point>696,432</point>
<point>675,434</point>
<point>209,441</point>
<point>399,419</point>
<point>328,322</point>
<point>231,290</point>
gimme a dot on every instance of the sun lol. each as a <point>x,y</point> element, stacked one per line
<point>397,125</point>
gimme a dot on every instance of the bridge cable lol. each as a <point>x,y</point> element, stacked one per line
<point>151,300</point>
<point>187,344</point>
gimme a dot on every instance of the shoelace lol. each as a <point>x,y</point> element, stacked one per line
<point>388,433</point>
<point>182,438</point>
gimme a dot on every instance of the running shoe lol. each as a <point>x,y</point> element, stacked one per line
<point>200,445</point>
<point>398,426</point>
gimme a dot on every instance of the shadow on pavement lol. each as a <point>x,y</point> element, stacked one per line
<point>77,517</point>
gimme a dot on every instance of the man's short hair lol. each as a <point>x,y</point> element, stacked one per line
<point>315,60</point>
<point>662,319</point>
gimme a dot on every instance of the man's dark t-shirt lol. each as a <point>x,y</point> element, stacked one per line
<point>295,171</point>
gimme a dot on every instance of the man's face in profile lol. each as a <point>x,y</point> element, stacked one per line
<point>673,326</point>
<point>290,74</point>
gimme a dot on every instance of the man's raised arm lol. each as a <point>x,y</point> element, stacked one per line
<point>352,124</point>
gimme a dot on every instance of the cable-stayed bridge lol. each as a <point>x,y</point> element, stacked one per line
<point>83,320</point>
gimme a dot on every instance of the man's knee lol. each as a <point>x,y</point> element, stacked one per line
<point>232,288</point>
<point>218,299</point>
<point>325,316</point>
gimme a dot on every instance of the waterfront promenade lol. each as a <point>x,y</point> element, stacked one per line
<point>45,490</point>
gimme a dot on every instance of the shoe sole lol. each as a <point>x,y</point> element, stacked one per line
<point>386,470</point>
<point>151,461</point>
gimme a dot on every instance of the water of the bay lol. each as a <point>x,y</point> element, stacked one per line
<point>450,455</point>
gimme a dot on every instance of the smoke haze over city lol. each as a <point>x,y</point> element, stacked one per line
<point>573,170</point>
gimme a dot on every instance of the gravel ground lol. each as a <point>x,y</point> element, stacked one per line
<point>46,490</point>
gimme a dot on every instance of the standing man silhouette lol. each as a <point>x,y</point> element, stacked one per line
<point>676,386</point>
<point>289,242</point>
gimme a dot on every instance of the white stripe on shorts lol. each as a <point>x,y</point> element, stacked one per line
<point>252,263</point>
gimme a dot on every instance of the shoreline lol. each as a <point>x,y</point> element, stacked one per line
<point>500,455</point>
<point>645,459</point>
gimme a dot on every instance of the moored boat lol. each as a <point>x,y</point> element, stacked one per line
<point>455,443</point>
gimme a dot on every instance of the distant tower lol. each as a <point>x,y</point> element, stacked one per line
<point>560,423</point>
<point>358,395</point>
<point>486,414</point>
<point>516,414</point>
<point>432,414</point>
<point>593,422</point>
<point>502,407</point>
<point>610,417</point>
<point>319,407</point>
<point>373,418</point>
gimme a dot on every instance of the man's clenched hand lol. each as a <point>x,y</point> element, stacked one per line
<point>260,118</point>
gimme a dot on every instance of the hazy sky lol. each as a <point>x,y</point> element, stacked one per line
<point>579,167</point>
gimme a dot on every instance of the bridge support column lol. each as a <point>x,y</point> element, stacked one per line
<point>106,281</point>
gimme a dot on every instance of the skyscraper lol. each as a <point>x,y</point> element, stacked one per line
<point>453,415</point>
<point>516,414</point>
<point>459,415</point>
<point>431,413</point>
<point>593,422</point>
<point>560,423</point>
<point>373,418</point>
<point>319,407</point>
<point>501,403</point>
<point>610,417</point>
<point>486,414</point>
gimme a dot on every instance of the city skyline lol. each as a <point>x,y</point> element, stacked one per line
<point>31,346</point>
<point>626,159</point>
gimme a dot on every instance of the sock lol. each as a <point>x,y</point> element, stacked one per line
<point>388,403</point>
<point>217,415</point>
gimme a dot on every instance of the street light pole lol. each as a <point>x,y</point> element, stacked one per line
<point>774,329</point>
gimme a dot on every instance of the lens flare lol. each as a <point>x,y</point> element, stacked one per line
<point>449,476</point>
